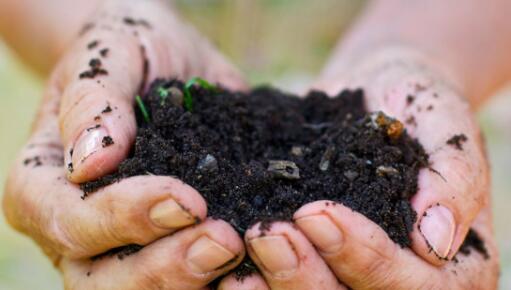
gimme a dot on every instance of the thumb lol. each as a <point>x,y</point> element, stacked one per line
<point>96,117</point>
<point>112,63</point>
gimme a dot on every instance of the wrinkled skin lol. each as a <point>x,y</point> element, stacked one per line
<point>43,201</point>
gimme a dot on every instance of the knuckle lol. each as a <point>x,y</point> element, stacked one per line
<point>381,271</point>
<point>59,240</point>
<point>126,220</point>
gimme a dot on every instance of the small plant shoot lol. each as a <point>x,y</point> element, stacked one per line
<point>164,94</point>
<point>188,100</point>
<point>142,108</point>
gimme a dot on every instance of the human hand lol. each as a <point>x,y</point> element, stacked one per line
<point>85,127</point>
<point>333,247</point>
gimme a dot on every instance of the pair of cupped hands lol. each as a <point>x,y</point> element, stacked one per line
<point>326,247</point>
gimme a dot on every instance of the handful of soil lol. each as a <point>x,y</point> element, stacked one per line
<point>260,156</point>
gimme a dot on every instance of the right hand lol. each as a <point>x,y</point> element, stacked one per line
<point>136,42</point>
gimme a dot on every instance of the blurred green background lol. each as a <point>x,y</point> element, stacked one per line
<point>283,42</point>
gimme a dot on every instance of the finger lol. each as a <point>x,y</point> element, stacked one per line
<point>187,260</point>
<point>112,63</point>
<point>365,258</point>
<point>476,269</point>
<point>252,282</point>
<point>455,187</point>
<point>286,258</point>
<point>359,252</point>
<point>135,210</point>
<point>96,117</point>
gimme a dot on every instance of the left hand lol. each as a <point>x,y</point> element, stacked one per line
<point>333,247</point>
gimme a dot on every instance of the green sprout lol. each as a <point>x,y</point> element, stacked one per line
<point>188,100</point>
<point>142,108</point>
<point>164,93</point>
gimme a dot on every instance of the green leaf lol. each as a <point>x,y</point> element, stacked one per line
<point>188,99</point>
<point>142,108</point>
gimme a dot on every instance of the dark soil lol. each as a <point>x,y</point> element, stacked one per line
<point>261,156</point>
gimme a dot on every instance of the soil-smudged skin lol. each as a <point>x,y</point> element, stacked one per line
<point>262,155</point>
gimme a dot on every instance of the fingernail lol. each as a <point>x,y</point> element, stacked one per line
<point>438,227</point>
<point>322,232</point>
<point>206,255</point>
<point>88,143</point>
<point>169,214</point>
<point>276,254</point>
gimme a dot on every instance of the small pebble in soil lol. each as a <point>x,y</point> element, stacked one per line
<point>208,164</point>
<point>283,169</point>
<point>297,151</point>
<point>325,159</point>
<point>175,96</point>
<point>350,175</point>
<point>386,170</point>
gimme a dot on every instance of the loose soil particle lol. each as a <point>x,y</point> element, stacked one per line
<point>261,156</point>
<point>457,141</point>
<point>474,242</point>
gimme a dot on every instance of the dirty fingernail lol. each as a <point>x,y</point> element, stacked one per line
<point>169,214</point>
<point>438,227</point>
<point>90,141</point>
<point>206,255</point>
<point>322,232</point>
<point>276,254</point>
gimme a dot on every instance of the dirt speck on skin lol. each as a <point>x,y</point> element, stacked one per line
<point>120,253</point>
<point>34,161</point>
<point>107,141</point>
<point>457,141</point>
<point>95,63</point>
<point>474,242</point>
<point>410,99</point>
<point>86,28</point>
<point>241,153</point>
<point>134,22</point>
<point>104,52</point>
<point>411,121</point>
<point>93,127</point>
<point>93,44</point>
<point>92,73</point>
<point>107,109</point>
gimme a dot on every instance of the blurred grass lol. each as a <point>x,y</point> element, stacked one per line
<point>284,42</point>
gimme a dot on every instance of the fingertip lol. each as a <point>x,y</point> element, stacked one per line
<point>98,133</point>
<point>440,227</point>
<point>216,248</point>
<point>287,259</point>
<point>187,197</point>
<point>313,208</point>
<point>437,236</point>
<point>226,235</point>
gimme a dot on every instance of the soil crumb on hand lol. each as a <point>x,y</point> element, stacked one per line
<point>457,141</point>
<point>474,242</point>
